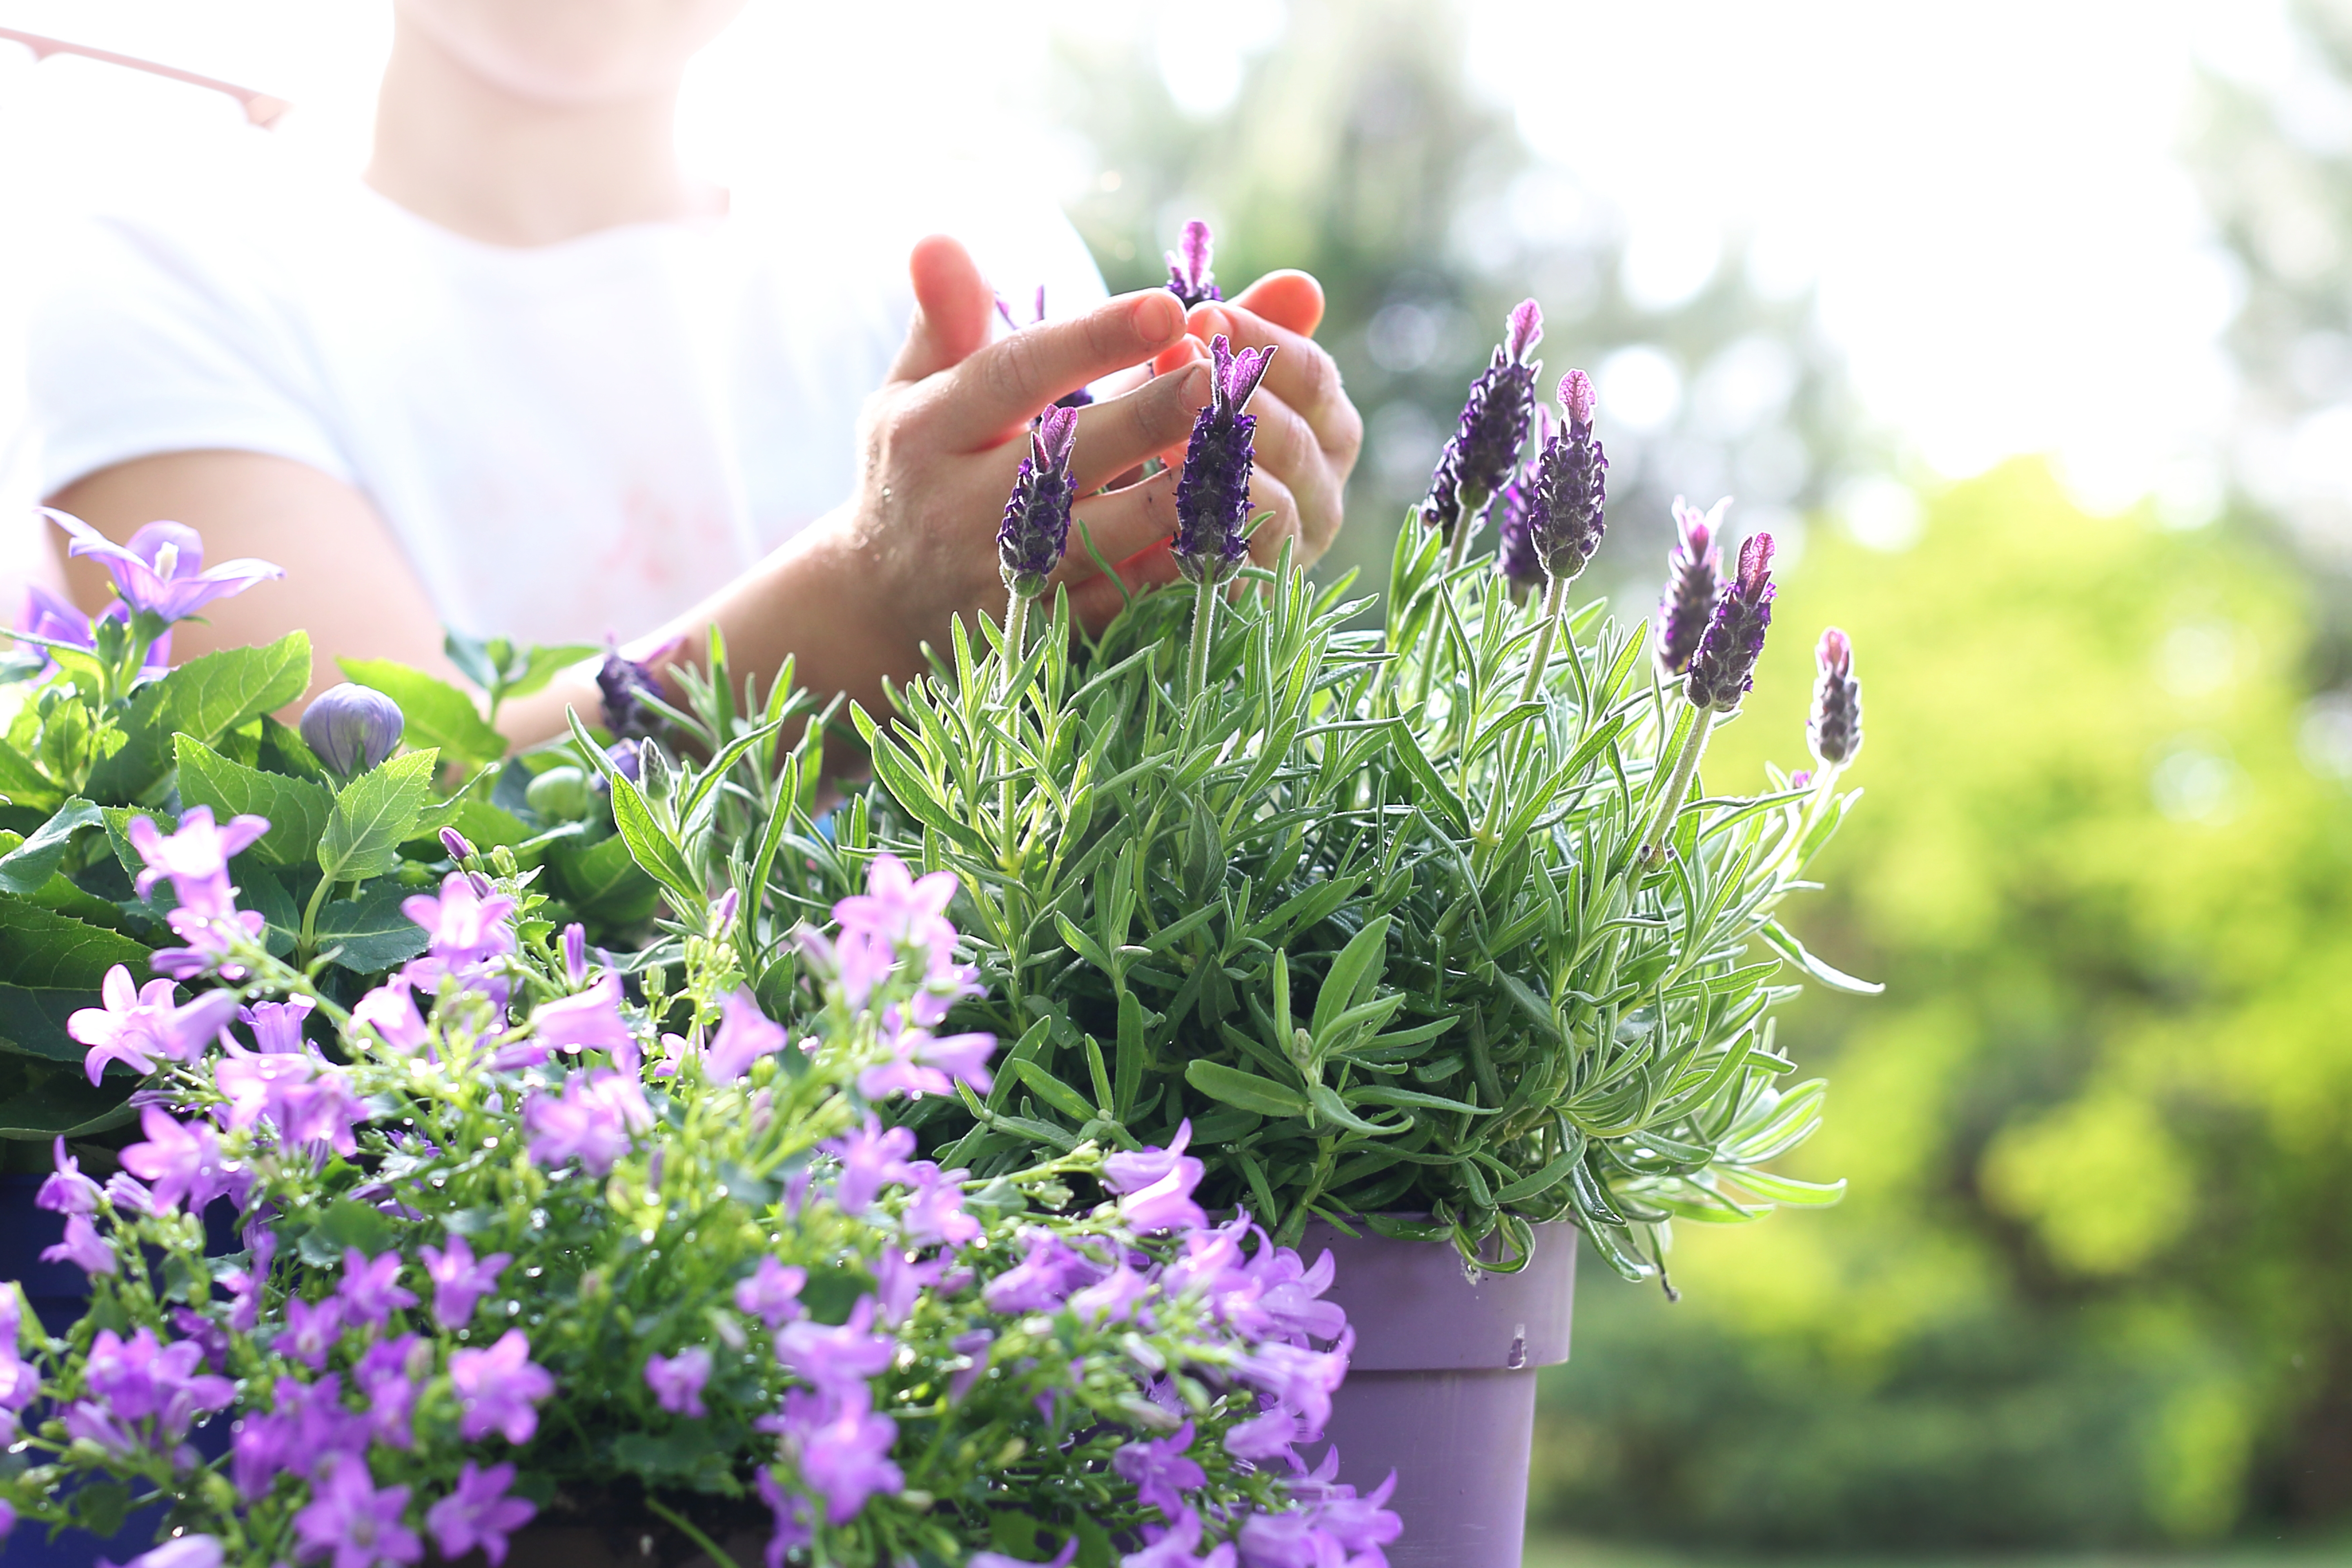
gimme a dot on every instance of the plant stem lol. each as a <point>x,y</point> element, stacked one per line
<point>1017,631</point>
<point>1204,626</point>
<point>684,1527</point>
<point>311,922</point>
<point>1555,598</point>
<point>1654,843</point>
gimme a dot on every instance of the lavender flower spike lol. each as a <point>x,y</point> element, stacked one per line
<point>1725,665</point>
<point>1188,278</point>
<point>1834,732</point>
<point>1516,557</point>
<point>1036,527</point>
<point>1212,494</point>
<point>1694,578</point>
<point>1486,445</point>
<point>1572,486</point>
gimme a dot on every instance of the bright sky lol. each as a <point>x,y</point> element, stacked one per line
<point>1985,192</point>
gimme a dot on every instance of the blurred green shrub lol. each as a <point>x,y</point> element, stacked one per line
<point>2093,1282</point>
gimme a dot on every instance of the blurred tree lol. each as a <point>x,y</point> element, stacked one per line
<point>2095,1278</point>
<point>1356,147</point>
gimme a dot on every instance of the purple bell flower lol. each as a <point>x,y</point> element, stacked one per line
<point>1188,278</point>
<point>47,615</point>
<point>1694,578</point>
<point>351,728</point>
<point>1565,521</point>
<point>1213,493</point>
<point>480,1514</point>
<point>162,569</point>
<point>1484,447</point>
<point>1036,527</point>
<point>1834,732</point>
<point>1725,665</point>
<point>498,1389</point>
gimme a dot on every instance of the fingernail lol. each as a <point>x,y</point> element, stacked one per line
<point>1158,314</point>
<point>1211,321</point>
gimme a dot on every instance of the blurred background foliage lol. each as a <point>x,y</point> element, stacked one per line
<point>2093,1284</point>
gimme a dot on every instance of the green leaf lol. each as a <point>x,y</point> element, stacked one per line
<point>1780,940</point>
<point>206,698</point>
<point>544,665</point>
<point>375,812</point>
<point>23,784</point>
<point>1056,1093</point>
<point>652,847</point>
<point>50,967</point>
<point>371,930</point>
<point>438,714</point>
<point>28,867</point>
<point>1245,1090</point>
<point>605,881</point>
<point>1357,968</point>
<point>297,808</point>
<point>45,1100</point>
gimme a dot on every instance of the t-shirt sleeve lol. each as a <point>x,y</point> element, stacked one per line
<point>152,337</point>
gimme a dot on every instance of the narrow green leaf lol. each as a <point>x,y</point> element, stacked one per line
<point>1245,1090</point>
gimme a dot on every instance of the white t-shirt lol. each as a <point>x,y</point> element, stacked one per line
<point>569,441</point>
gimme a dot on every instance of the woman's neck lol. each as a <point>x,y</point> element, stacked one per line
<point>483,163</point>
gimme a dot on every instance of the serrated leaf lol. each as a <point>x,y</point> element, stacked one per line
<point>371,930</point>
<point>28,867</point>
<point>438,714</point>
<point>375,812</point>
<point>50,966</point>
<point>206,698</point>
<point>297,808</point>
<point>43,1100</point>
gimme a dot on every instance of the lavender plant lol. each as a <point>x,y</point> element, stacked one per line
<point>1430,930</point>
<point>523,1246</point>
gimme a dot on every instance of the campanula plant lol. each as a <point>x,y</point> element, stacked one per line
<point>523,1247</point>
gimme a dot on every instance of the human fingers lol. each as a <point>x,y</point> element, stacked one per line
<point>1269,494</point>
<point>1289,298</point>
<point>1001,387</point>
<point>1093,602</point>
<point>1288,452</point>
<point>1120,525</point>
<point>1119,433</point>
<point>1302,374</point>
<point>951,305</point>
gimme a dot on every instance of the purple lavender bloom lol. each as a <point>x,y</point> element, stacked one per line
<point>498,1388</point>
<point>83,1247</point>
<point>1188,276</point>
<point>162,569</point>
<point>626,685</point>
<point>1835,731</point>
<point>1725,665</point>
<point>371,1289</point>
<point>934,1215</point>
<point>627,758</point>
<point>459,1281</point>
<point>1160,1470</point>
<point>311,1331</point>
<point>1515,555</point>
<point>836,1361</point>
<point>1036,527</point>
<point>871,1157</point>
<point>592,1120</point>
<point>745,1035</point>
<point>479,1515</point>
<point>1484,447</point>
<point>179,1160</point>
<point>195,857</point>
<point>676,1380</point>
<point>773,1293</point>
<point>66,1192</point>
<point>1694,578</point>
<point>47,615</point>
<point>349,1518</point>
<point>1565,520</point>
<point>588,1020</point>
<point>351,729</point>
<point>1213,493</point>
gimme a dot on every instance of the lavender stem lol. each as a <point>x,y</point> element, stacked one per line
<point>1653,842</point>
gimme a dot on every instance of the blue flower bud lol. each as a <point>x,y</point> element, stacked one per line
<point>1213,493</point>
<point>351,728</point>
<point>1036,527</point>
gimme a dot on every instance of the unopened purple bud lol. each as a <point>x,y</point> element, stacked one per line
<point>575,952</point>
<point>1188,278</point>
<point>1036,527</point>
<point>351,728</point>
<point>1485,447</point>
<point>1566,519</point>
<point>1725,665</point>
<point>460,849</point>
<point>722,913</point>
<point>1213,493</point>
<point>1834,732</point>
<point>1694,578</point>
<point>625,685</point>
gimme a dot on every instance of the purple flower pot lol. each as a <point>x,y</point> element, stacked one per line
<point>1441,1386</point>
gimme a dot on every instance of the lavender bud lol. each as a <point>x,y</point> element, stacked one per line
<point>574,945</point>
<point>1516,557</point>
<point>351,728</point>
<point>1694,576</point>
<point>1213,493</point>
<point>460,849</point>
<point>625,684</point>
<point>722,913</point>
<point>1834,732</point>
<point>1485,447</point>
<point>1036,527</point>
<point>1725,665</point>
<point>1565,520</point>
<point>1188,278</point>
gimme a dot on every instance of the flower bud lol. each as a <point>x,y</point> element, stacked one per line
<point>1725,665</point>
<point>1565,520</point>
<point>1694,577</point>
<point>1834,732</point>
<point>560,794</point>
<point>625,684</point>
<point>1485,447</point>
<point>1213,493</point>
<point>460,847</point>
<point>1515,555</point>
<point>1188,278</point>
<point>1036,527</point>
<point>351,728</point>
